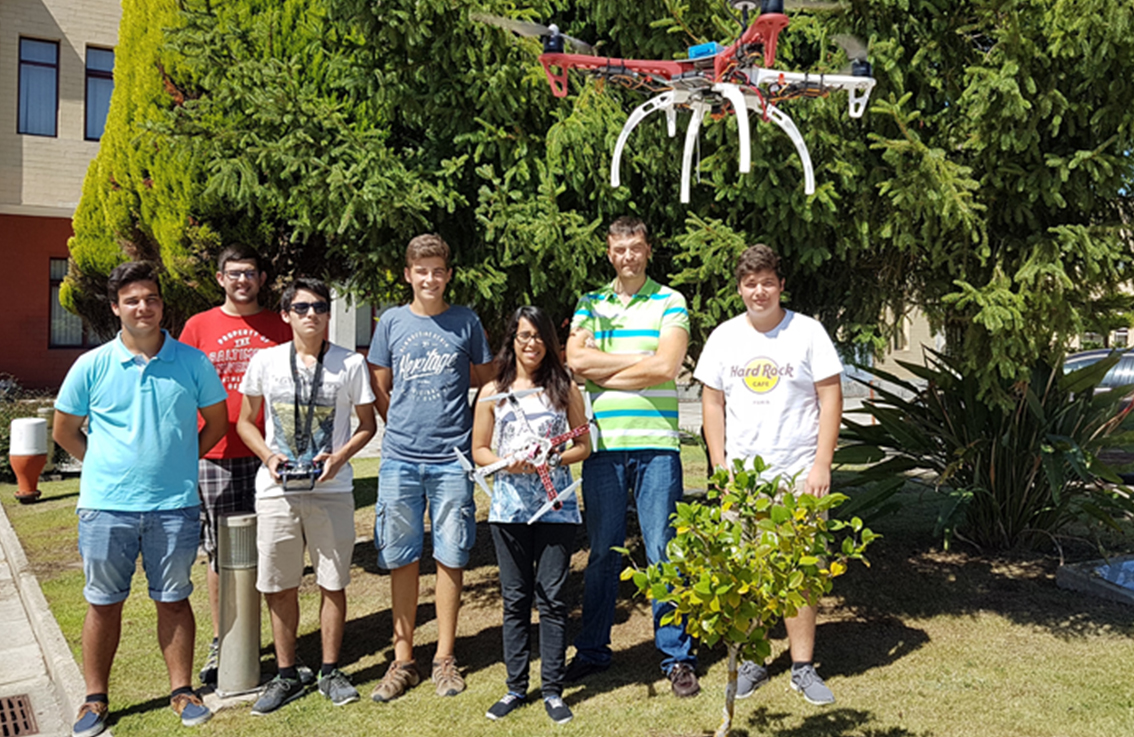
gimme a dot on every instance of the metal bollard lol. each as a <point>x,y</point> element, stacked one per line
<point>238,670</point>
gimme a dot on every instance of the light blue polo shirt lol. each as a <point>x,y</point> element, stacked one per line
<point>142,438</point>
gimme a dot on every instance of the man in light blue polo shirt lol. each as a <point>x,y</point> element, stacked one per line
<point>138,492</point>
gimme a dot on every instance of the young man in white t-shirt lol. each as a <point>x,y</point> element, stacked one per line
<point>307,389</point>
<point>772,387</point>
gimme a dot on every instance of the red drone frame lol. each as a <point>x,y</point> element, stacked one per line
<point>714,79</point>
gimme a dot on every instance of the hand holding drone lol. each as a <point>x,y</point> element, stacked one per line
<point>538,451</point>
<point>714,79</point>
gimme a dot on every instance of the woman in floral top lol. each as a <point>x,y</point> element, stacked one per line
<point>534,559</point>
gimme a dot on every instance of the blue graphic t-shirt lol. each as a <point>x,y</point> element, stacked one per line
<point>431,359</point>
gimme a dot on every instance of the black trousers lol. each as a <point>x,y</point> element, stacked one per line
<point>534,561</point>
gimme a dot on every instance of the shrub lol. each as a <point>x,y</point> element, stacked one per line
<point>737,566</point>
<point>1012,473</point>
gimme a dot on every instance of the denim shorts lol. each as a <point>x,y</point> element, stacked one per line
<point>110,542</point>
<point>399,524</point>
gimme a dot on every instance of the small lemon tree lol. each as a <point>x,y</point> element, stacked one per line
<point>756,556</point>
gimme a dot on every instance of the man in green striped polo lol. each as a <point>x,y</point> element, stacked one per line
<point>628,339</point>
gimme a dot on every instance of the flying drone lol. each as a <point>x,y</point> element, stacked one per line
<point>541,452</point>
<point>714,79</point>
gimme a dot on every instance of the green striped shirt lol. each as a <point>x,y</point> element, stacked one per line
<point>645,419</point>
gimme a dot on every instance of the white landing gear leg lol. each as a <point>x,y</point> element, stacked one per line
<point>785,123</point>
<point>664,101</point>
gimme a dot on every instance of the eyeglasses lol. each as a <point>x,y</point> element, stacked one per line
<point>249,274</point>
<point>526,337</point>
<point>301,308</point>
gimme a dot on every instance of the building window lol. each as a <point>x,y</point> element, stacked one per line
<point>66,328</point>
<point>100,84</point>
<point>39,87</point>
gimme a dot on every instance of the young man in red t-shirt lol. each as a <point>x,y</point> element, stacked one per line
<point>229,335</point>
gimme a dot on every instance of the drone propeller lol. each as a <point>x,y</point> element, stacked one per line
<point>778,6</point>
<point>470,469</point>
<point>813,5</point>
<point>532,30</point>
<point>856,51</point>
<point>550,504</point>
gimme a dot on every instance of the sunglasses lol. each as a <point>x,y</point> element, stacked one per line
<point>301,308</point>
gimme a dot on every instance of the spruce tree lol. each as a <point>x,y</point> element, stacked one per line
<point>984,185</point>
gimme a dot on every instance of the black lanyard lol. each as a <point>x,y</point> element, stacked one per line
<point>301,440</point>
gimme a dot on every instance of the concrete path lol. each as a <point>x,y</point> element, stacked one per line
<point>35,661</point>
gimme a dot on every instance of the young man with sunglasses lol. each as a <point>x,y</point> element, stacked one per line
<point>230,335</point>
<point>306,389</point>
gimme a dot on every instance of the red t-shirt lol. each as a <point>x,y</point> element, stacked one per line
<point>229,342</point>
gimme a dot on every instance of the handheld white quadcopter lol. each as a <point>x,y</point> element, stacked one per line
<point>541,452</point>
<point>714,79</point>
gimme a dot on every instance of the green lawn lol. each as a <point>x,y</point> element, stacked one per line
<point>924,642</point>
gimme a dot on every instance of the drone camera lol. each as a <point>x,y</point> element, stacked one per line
<point>861,68</point>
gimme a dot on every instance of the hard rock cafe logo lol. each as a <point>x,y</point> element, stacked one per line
<point>761,375</point>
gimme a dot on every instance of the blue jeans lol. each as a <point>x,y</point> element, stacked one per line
<point>655,478</point>
<point>111,541</point>
<point>399,523</point>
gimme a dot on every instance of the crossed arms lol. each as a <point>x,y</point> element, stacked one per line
<point>627,371</point>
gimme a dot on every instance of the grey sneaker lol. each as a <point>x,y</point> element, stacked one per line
<point>447,678</point>
<point>805,680</point>
<point>749,677</point>
<point>208,674</point>
<point>398,678</point>
<point>336,687</point>
<point>278,692</point>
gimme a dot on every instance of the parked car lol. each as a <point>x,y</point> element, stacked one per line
<point>1121,374</point>
<point>1119,458</point>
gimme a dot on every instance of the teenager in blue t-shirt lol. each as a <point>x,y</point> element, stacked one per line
<point>424,358</point>
<point>138,491</point>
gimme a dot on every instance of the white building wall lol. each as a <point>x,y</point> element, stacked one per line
<point>43,175</point>
<point>914,336</point>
